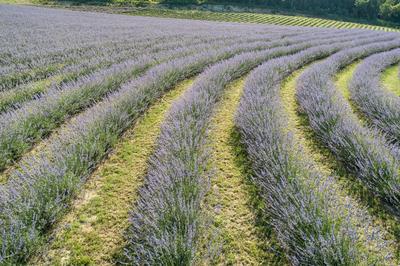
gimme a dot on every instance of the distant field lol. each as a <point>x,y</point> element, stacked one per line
<point>158,141</point>
<point>244,17</point>
<point>255,18</point>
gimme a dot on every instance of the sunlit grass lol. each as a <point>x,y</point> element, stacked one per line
<point>391,80</point>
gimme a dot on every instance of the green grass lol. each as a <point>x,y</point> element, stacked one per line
<point>390,79</point>
<point>92,233</point>
<point>16,2</point>
<point>232,197</point>
<point>344,185</point>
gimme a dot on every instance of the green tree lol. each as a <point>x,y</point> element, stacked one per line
<point>390,10</point>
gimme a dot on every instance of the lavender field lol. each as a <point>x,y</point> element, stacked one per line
<point>151,141</point>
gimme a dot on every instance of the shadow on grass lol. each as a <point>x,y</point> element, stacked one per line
<point>257,205</point>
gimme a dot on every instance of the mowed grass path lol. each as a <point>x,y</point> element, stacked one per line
<point>232,197</point>
<point>391,80</point>
<point>342,80</point>
<point>26,92</point>
<point>92,233</point>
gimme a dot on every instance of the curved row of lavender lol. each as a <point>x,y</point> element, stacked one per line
<point>39,191</point>
<point>103,57</point>
<point>21,128</point>
<point>362,151</point>
<point>381,106</point>
<point>85,35</point>
<point>43,183</point>
<point>311,223</point>
<point>167,222</point>
<point>15,97</point>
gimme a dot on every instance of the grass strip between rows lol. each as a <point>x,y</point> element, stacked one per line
<point>92,232</point>
<point>342,80</point>
<point>232,197</point>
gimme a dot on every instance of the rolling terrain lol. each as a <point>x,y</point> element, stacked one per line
<point>158,141</point>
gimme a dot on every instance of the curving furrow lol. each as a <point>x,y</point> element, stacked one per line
<point>390,79</point>
<point>167,224</point>
<point>364,153</point>
<point>380,106</point>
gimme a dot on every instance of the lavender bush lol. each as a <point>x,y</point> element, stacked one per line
<point>381,106</point>
<point>115,67</point>
<point>167,221</point>
<point>20,129</point>
<point>364,153</point>
<point>305,213</point>
<point>38,192</point>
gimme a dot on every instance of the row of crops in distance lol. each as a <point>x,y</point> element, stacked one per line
<point>158,141</point>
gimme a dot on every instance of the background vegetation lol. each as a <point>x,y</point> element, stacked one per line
<point>371,10</point>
